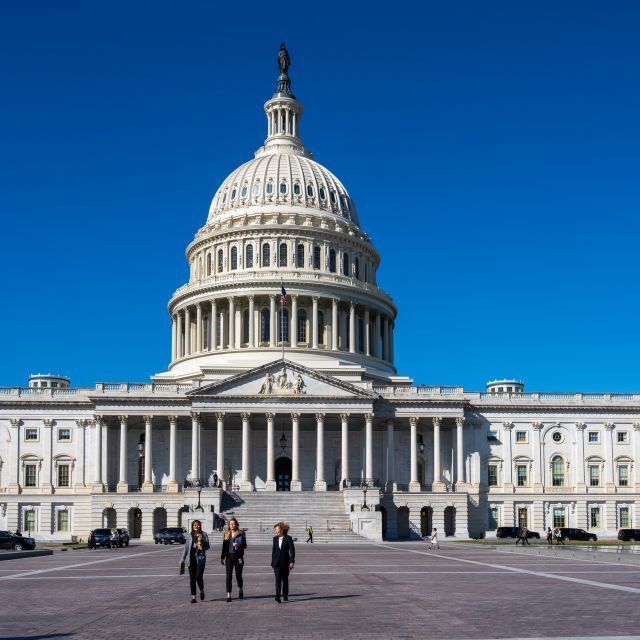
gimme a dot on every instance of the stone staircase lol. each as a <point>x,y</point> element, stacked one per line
<point>257,512</point>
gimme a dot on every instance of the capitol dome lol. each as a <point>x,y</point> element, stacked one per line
<point>281,222</point>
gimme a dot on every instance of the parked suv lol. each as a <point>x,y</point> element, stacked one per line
<point>123,537</point>
<point>629,534</point>
<point>10,540</point>
<point>512,532</point>
<point>169,535</point>
<point>103,537</point>
<point>569,533</point>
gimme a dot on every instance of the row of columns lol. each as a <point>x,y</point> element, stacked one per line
<point>227,313</point>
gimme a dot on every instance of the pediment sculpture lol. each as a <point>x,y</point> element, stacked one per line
<point>280,384</point>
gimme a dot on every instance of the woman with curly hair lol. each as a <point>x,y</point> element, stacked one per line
<point>233,545</point>
<point>194,557</point>
<point>283,557</point>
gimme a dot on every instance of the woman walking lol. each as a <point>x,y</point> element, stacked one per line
<point>194,557</point>
<point>549,536</point>
<point>233,545</point>
<point>434,539</point>
<point>283,557</point>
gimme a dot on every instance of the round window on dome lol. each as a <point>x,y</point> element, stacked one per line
<point>243,193</point>
<point>310,190</point>
<point>269,188</point>
<point>283,187</point>
<point>323,194</point>
<point>256,188</point>
<point>296,189</point>
<point>557,436</point>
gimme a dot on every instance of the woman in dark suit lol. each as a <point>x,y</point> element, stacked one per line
<point>283,558</point>
<point>233,545</point>
<point>194,557</point>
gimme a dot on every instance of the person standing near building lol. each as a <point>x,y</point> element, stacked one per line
<point>523,536</point>
<point>91,542</point>
<point>557,534</point>
<point>310,534</point>
<point>549,535</point>
<point>283,558</point>
<point>194,557</point>
<point>434,539</point>
<point>234,543</point>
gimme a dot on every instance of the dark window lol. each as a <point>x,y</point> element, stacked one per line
<point>357,268</point>
<point>269,188</point>
<point>265,331</point>
<point>283,188</point>
<point>316,257</point>
<point>234,257</point>
<point>302,325</point>
<point>220,260</point>
<point>332,260</point>
<point>296,189</point>
<point>266,255</point>
<point>249,257</point>
<point>310,190</point>
<point>346,270</point>
<point>282,255</point>
<point>300,256</point>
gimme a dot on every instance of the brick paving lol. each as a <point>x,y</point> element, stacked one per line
<point>394,590</point>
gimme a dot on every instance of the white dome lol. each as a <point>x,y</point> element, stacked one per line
<point>283,178</point>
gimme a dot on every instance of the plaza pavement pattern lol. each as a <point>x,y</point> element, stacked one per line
<point>389,590</point>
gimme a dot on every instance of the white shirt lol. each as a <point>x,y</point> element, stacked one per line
<point>280,538</point>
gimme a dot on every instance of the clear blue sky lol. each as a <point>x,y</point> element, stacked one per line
<point>492,150</point>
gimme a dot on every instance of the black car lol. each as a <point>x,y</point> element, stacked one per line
<point>123,537</point>
<point>512,532</point>
<point>102,537</point>
<point>569,533</point>
<point>169,535</point>
<point>16,542</point>
<point>629,534</point>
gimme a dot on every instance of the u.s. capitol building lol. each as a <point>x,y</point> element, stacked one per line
<point>302,431</point>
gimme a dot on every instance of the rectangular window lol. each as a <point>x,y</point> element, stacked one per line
<point>63,475</point>
<point>594,437</point>
<point>558,517</point>
<point>492,436</point>
<point>594,518</point>
<point>30,521</point>
<point>623,475</point>
<point>30,434</point>
<point>625,521</point>
<point>30,475</point>
<point>521,437</point>
<point>64,435</point>
<point>521,470</point>
<point>492,475</point>
<point>494,518</point>
<point>594,475</point>
<point>623,437</point>
<point>63,520</point>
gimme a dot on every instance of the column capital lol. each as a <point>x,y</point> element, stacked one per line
<point>123,419</point>
<point>608,426</point>
<point>581,426</point>
<point>98,420</point>
<point>507,426</point>
<point>81,423</point>
<point>147,420</point>
<point>537,426</point>
<point>352,305</point>
<point>198,305</point>
<point>245,416</point>
<point>295,416</point>
<point>390,422</point>
<point>636,426</point>
<point>315,298</point>
<point>294,296</point>
<point>230,298</point>
<point>460,421</point>
<point>195,416</point>
<point>344,417</point>
<point>436,421</point>
<point>334,301</point>
<point>320,417</point>
<point>173,419</point>
<point>15,422</point>
<point>220,415</point>
<point>368,417</point>
<point>269,416</point>
<point>48,422</point>
<point>413,421</point>
<point>272,296</point>
<point>251,297</point>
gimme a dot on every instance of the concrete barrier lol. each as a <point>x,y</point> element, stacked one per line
<point>17,555</point>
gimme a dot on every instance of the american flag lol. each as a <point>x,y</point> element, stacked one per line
<point>283,295</point>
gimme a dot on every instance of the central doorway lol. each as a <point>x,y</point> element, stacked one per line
<point>283,474</point>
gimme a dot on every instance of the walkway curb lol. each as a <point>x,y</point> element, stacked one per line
<point>17,555</point>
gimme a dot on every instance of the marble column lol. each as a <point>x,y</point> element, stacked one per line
<point>314,326</point>
<point>252,325</point>
<point>460,478</point>
<point>14,456</point>
<point>272,320</point>
<point>376,337</point>
<point>79,480</point>
<point>179,337</point>
<point>610,479</point>
<point>414,484</point>
<point>368,446</point>
<point>97,486</point>
<point>195,446</point>
<point>438,485</point>
<point>46,485</point>
<point>172,481</point>
<point>198,328</point>
<point>245,478</point>
<point>507,428</point>
<point>271,471</point>
<point>367,333</point>
<point>391,341</point>
<point>352,328</point>
<point>391,455</point>
<point>579,457</point>
<point>344,466</point>
<point>174,338</point>
<point>187,332</point>
<point>385,340</point>
<point>220,449</point>
<point>320,483</point>
<point>296,485</point>
<point>213,326</point>
<point>123,481</point>
<point>634,480</point>
<point>147,485</point>
<point>232,323</point>
<point>538,466</point>
<point>293,325</point>
<point>334,324</point>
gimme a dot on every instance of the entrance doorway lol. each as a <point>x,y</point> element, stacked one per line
<point>109,518</point>
<point>402,522</point>
<point>450,521</point>
<point>523,517</point>
<point>426,521</point>
<point>283,474</point>
<point>135,523</point>
<point>159,519</point>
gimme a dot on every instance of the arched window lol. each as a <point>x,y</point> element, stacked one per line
<point>323,194</point>
<point>269,188</point>
<point>310,190</point>
<point>366,271</point>
<point>265,325</point>
<point>332,261</point>
<point>316,257</point>
<point>321,339</point>
<point>296,189</point>
<point>208,264</point>
<point>224,197</point>
<point>333,197</point>
<point>266,254</point>
<point>282,255</point>
<point>243,193</point>
<point>302,325</point>
<point>245,327</point>
<point>557,471</point>
<point>233,193</point>
<point>283,188</point>
<point>256,188</point>
<point>234,258</point>
<point>283,333</point>
<point>249,257</point>
<point>357,268</point>
<point>346,265</point>
<point>300,256</point>
<point>220,260</point>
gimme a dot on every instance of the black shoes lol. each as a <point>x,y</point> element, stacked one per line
<point>193,600</point>
<point>285,598</point>
<point>278,599</point>
<point>240,595</point>
<point>202,595</point>
<point>228,598</point>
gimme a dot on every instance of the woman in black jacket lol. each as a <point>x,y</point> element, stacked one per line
<point>194,556</point>
<point>233,545</point>
<point>283,558</point>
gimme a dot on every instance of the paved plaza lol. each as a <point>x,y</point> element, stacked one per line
<point>390,590</point>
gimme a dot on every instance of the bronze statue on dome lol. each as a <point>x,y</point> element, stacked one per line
<point>284,61</point>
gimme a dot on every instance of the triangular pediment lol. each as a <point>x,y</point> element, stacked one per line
<point>282,379</point>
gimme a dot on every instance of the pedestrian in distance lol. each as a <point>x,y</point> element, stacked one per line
<point>194,558</point>
<point>113,539</point>
<point>522,536</point>
<point>215,479</point>
<point>234,543</point>
<point>557,534</point>
<point>91,540</point>
<point>434,540</point>
<point>283,558</point>
<point>549,535</point>
<point>310,534</point>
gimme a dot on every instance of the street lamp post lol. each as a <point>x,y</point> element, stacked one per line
<point>198,485</point>
<point>365,486</point>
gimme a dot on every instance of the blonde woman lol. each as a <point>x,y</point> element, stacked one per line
<point>283,558</point>
<point>233,545</point>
